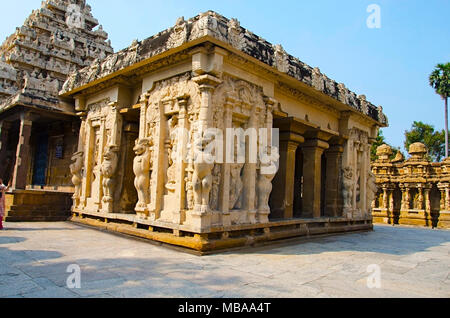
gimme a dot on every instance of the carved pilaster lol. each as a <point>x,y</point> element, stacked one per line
<point>283,197</point>
<point>203,163</point>
<point>207,84</point>
<point>406,199</point>
<point>225,195</point>
<point>427,198</point>
<point>312,175</point>
<point>333,182</point>
<point>385,201</point>
<point>267,170</point>
<point>23,154</point>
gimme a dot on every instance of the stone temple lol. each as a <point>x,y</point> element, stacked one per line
<point>413,191</point>
<point>135,173</point>
<point>39,131</point>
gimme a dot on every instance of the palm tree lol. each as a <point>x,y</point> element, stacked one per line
<point>440,81</point>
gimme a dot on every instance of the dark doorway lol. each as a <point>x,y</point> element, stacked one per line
<point>298,184</point>
<point>435,201</point>
<point>397,205</point>
<point>40,160</point>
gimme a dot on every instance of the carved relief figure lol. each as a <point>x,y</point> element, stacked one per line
<point>236,185</point>
<point>266,175</point>
<point>77,177</point>
<point>96,166</point>
<point>348,187</point>
<point>108,169</point>
<point>418,200</point>
<point>74,16</point>
<point>179,34</point>
<point>172,154</point>
<point>214,200</point>
<point>281,61</point>
<point>202,178</point>
<point>189,192</point>
<point>236,37</point>
<point>141,168</point>
<point>372,189</point>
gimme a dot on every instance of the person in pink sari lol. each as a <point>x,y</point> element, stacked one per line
<point>3,190</point>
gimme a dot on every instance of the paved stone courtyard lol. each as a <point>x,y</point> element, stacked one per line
<point>34,258</point>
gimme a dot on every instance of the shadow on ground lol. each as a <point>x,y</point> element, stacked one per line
<point>384,239</point>
<point>144,271</point>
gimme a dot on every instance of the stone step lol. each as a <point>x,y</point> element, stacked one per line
<point>38,212</point>
<point>36,218</point>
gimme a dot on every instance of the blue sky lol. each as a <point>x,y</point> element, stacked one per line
<point>389,65</point>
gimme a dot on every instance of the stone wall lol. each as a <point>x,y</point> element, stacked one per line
<point>413,191</point>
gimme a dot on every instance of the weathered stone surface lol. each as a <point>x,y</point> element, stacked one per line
<point>55,40</point>
<point>413,191</point>
<point>213,25</point>
<point>413,264</point>
<point>145,157</point>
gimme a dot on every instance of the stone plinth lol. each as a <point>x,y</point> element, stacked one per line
<point>37,206</point>
<point>219,239</point>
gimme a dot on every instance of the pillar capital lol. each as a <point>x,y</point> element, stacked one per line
<point>335,149</point>
<point>291,138</point>
<point>207,82</point>
<point>270,102</point>
<point>316,143</point>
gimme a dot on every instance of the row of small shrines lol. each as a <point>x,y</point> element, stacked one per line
<point>415,191</point>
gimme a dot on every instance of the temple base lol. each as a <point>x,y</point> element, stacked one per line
<point>383,216</point>
<point>413,218</point>
<point>223,238</point>
<point>444,220</point>
<point>37,206</point>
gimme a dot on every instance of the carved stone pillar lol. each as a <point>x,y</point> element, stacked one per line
<point>312,175</point>
<point>427,198</point>
<point>23,154</point>
<point>445,196</point>
<point>202,175</point>
<point>225,194</point>
<point>207,84</point>
<point>88,163</point>
<point>180,192</point>
<point>111,158</point>
<point>154,133</point>
<point>265,178</point>
<point>385,201</point>
<point>405,198</point>
<point>333,182</point>
<point>250,177</point>
<point>77,166</point>
<point>420,199</point>
<point>127,191</point>
<point>283,196</point>
<point>391,200</point>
